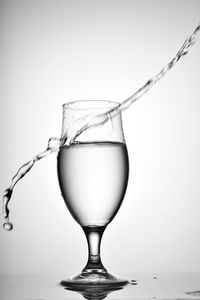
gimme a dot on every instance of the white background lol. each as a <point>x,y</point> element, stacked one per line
<point>57,51</point>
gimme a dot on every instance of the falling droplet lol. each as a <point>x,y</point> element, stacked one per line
<point>8,226</point>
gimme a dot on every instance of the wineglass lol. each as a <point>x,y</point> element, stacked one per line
<point>93,174</point>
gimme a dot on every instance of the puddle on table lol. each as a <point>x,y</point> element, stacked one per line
<point>140,287</point>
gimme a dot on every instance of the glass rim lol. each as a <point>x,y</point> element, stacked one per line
<point>87,104</point>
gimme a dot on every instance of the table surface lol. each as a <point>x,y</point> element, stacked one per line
<point>185,286</point>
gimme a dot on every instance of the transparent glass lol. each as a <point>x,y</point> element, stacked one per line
<point>93,175</point>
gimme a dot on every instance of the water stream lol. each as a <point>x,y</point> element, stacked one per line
<point>54,144</point>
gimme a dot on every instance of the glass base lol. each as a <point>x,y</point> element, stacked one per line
<point>94,278</point>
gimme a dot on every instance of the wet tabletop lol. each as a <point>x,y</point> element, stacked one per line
<point>147,286</point>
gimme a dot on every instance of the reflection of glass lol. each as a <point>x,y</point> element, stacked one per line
<point>94,293</point>
<point>93,176</point>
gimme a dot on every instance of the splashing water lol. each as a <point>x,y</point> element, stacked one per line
<point>54,144</point>
<point>95,120</point>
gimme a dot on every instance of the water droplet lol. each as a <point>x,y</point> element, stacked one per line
<point>133,282</point>
<point>194,293</point>
<point>8,226</point>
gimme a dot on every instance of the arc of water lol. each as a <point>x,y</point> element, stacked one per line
<point>55,143</point>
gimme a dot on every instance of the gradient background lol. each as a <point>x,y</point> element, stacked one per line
<point>57,51</point>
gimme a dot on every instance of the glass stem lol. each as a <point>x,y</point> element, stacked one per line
<point>94,235</point>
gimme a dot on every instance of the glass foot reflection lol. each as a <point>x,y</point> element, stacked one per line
<point>92,287</point>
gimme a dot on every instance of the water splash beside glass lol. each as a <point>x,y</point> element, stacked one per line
<point>79,125</point>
